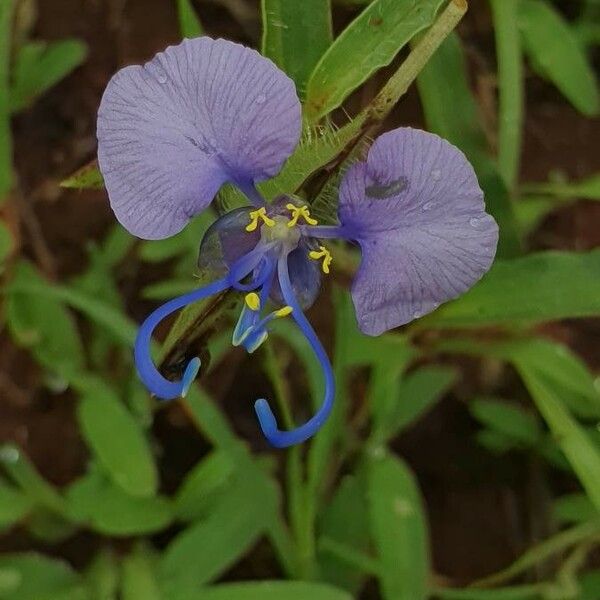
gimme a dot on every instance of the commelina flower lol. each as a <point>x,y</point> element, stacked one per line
<point>209,112</point>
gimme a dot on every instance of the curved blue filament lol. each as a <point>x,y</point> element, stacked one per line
<point>147,371</point>
<point>266,418</point>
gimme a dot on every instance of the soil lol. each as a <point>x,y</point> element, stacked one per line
<point>482,509</point>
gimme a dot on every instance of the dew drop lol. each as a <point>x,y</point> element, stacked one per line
<point>436,174</point>
<point>161,77</point>
<point>417,314</point>
<point>427,206</point>
<point>261,99</point>
<point>474,222</point>
<point>9,454</point>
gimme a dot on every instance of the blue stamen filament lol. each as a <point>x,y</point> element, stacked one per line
<point>266,418</point>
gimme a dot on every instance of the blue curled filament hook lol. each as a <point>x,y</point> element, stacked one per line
<point>266,418</point>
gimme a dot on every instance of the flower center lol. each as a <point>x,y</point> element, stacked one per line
<point>281,232</point>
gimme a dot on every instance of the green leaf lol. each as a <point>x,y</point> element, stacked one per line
<point>416,394</point>
<point>296,35</point>
<point>574,508</point>
<point>585,189</point>
<point>39,66</point>
<point>14,506</point>
<point>507,419</point>
<point>207,482</point>
<point>186,564</point>
<point>370,42</point>
<point>139,577</point>
<point>107,509</point>
<point>553,46</point>
<point>86,178</point>
<point>398,528</point>
<point>189,23</point>
<point>6,243</point>
<point>520,592</point>
<point>30,576</point>
<point>23,473</point>
<point>344,520</point>
<point>102,576</point>
<point>579,449</point>
<point>451,112</point>
<point>42,324</point>
<point>6,178</point>
<point>117,440</point>
<point>535,288</point>
<point>270,590</point>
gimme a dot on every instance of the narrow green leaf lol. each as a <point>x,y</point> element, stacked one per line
<point>296,35</point>
<point>86,178</point>
<point>574,508</point>
<point>399,529</point>
<point>23,473</point>
<point>536,288</point>
<point>189,23</point>
<point>30,576</point>
<point>510,88</point>
<point>42,324</point>
<point>102,576</point>
<point>107,509</point>
<point>519,592</point>
<point>270,590</point>
<point>6,13</point>
<point>553,47</point>
<point>6,243</point>
<point>41,65</point>
<point>14,506</point>
<point>138,580</point>
<point>117,440</point>
<point>451,112</point>
<point>508,419</point>
<point>370,42</point>
<point>206,483</point>
<point>581,452</point>
<point>585,189</point>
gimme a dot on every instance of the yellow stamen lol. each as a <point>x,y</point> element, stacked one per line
<point>253,301</point>
<point>259,215</point>
<point>284,312</point>
<point>300,211</point>
<point>323,253</point>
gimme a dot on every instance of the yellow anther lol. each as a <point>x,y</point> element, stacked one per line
<point>322,253</point>
<point>284,312</point>
<point>253,301</point>
<point>297,212</point>
<point>259,215</point>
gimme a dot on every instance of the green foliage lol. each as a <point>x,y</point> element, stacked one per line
<point>189,23</point>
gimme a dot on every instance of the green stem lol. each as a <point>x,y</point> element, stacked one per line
<point>542,551</point>
<point>510,87</point>
<point>296,491</point>
<point>519,592</point>
<point>6,179</point>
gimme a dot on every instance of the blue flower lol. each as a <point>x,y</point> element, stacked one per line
<point>208,112</point>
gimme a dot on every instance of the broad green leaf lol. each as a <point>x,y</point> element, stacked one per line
<point>370,42</point>
<point>554,49</point>
<point>50,527</point>
<point>107,509</point>
<point>102,576</point>
<point>138,581</point>
<point>14,506</point>
<point>30,576</point>
<point>23,473</point>
<point>416,394</point>
<point>398,529</point>
<point>495,442</point>
<point>117,440</point>
<point>42,324</point>
<point>536,288</point>
<point>207,482</point>
<point>39,66</point>
<point>589,584</point>
<point>451,112</point>
<point>232,528</point>
<point>296,35</point>
<point>6,243</point>
<point>6,13</point>
<point>344,520</point>
<point>520,592</point>
<point>579,449</point>
<point>574,508</point>
<point>270,590</point>
<point>189,23</point>
<point>507,419</point>
<point>86,178</point>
